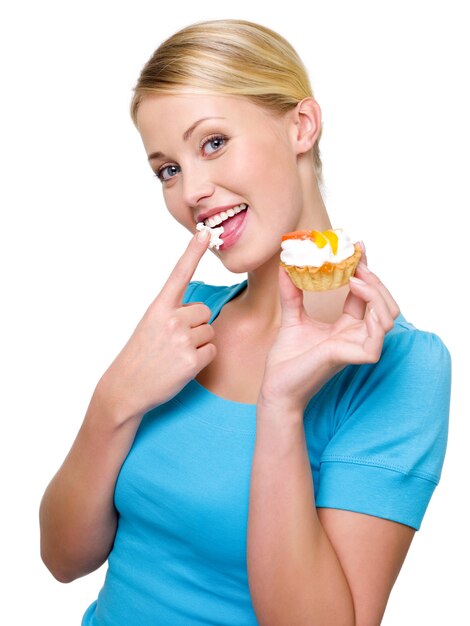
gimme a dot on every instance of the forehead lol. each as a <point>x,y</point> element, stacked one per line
<point>176,112</point>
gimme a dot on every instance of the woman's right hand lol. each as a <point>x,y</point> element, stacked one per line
<point>169,346</point>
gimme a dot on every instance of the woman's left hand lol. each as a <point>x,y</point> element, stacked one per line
<point>307,353</point>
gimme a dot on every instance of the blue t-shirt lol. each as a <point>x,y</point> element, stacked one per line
<point>376,437</point>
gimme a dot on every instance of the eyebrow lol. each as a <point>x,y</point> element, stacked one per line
<point>186,135</point>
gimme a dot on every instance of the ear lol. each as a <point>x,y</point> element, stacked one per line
<point>307,121</point>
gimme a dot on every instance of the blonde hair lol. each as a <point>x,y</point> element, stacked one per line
<point>230,57</point>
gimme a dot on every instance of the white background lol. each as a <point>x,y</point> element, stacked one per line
<point>84,233</point>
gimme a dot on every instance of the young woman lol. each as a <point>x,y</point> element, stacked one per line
<point>255,454</point>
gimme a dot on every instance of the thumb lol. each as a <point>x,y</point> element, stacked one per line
<point>292,299</point>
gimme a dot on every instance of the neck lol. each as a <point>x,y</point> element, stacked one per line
<point>259,304</point>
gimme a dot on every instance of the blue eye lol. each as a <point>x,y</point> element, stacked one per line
<point>208,147</point>
<point>215,143</point>
<point>171,170</point>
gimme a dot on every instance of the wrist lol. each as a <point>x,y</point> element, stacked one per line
<point>279,433</point>
<point>278,410</point>
<point>111,409</point>
<point>273,399</point>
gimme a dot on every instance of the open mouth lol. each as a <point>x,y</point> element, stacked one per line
<point>225,217</point>
<point>232,221</point>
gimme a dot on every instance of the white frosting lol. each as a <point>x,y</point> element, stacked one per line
<point>302,252</point>
<point>215,241</point>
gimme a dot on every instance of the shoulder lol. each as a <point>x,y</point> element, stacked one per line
<point>412,376</point>
<point>406,336</point>
<point>388,428</point>
<point>394,412</point>
<point>414,356</point>
<point>414,368</point>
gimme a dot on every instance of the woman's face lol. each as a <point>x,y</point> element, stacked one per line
<point>213,153</point>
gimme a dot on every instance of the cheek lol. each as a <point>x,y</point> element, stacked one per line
<point>264,168</point>
<point>174,205</point>
<point>273,184</point>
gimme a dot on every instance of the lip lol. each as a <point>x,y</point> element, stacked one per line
<point>231,239</point>
<point>204,215</point>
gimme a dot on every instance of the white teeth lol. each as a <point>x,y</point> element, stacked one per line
<point>217,219</point>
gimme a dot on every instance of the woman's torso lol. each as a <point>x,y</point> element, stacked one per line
<point>183,492</point>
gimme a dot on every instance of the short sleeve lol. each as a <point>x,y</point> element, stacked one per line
<point>389,431</point>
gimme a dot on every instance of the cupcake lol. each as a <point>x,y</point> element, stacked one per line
<point>318,261</point>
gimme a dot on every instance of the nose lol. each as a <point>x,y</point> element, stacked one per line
<point>196,184</point>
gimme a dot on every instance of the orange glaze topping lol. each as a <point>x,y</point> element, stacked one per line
<point>320,239</point>
<point>297,234</point>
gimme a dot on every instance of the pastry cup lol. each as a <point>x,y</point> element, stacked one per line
<point>327,276</point>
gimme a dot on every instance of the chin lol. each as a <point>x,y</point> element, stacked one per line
<point>240,267</point>
<point>244,265</point>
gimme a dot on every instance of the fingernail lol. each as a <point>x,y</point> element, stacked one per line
<point>203,235</point>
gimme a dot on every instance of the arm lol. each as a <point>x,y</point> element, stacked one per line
<point>303,569</point>
<point>77,516</point>
<point>170,345</point>
<point>295,576</point>
<point>372,551</point>
<point>309,566</point>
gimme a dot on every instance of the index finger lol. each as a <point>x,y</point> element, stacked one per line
<point>173,290</point>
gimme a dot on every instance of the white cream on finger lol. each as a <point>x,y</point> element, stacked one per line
<point>215,233</point>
